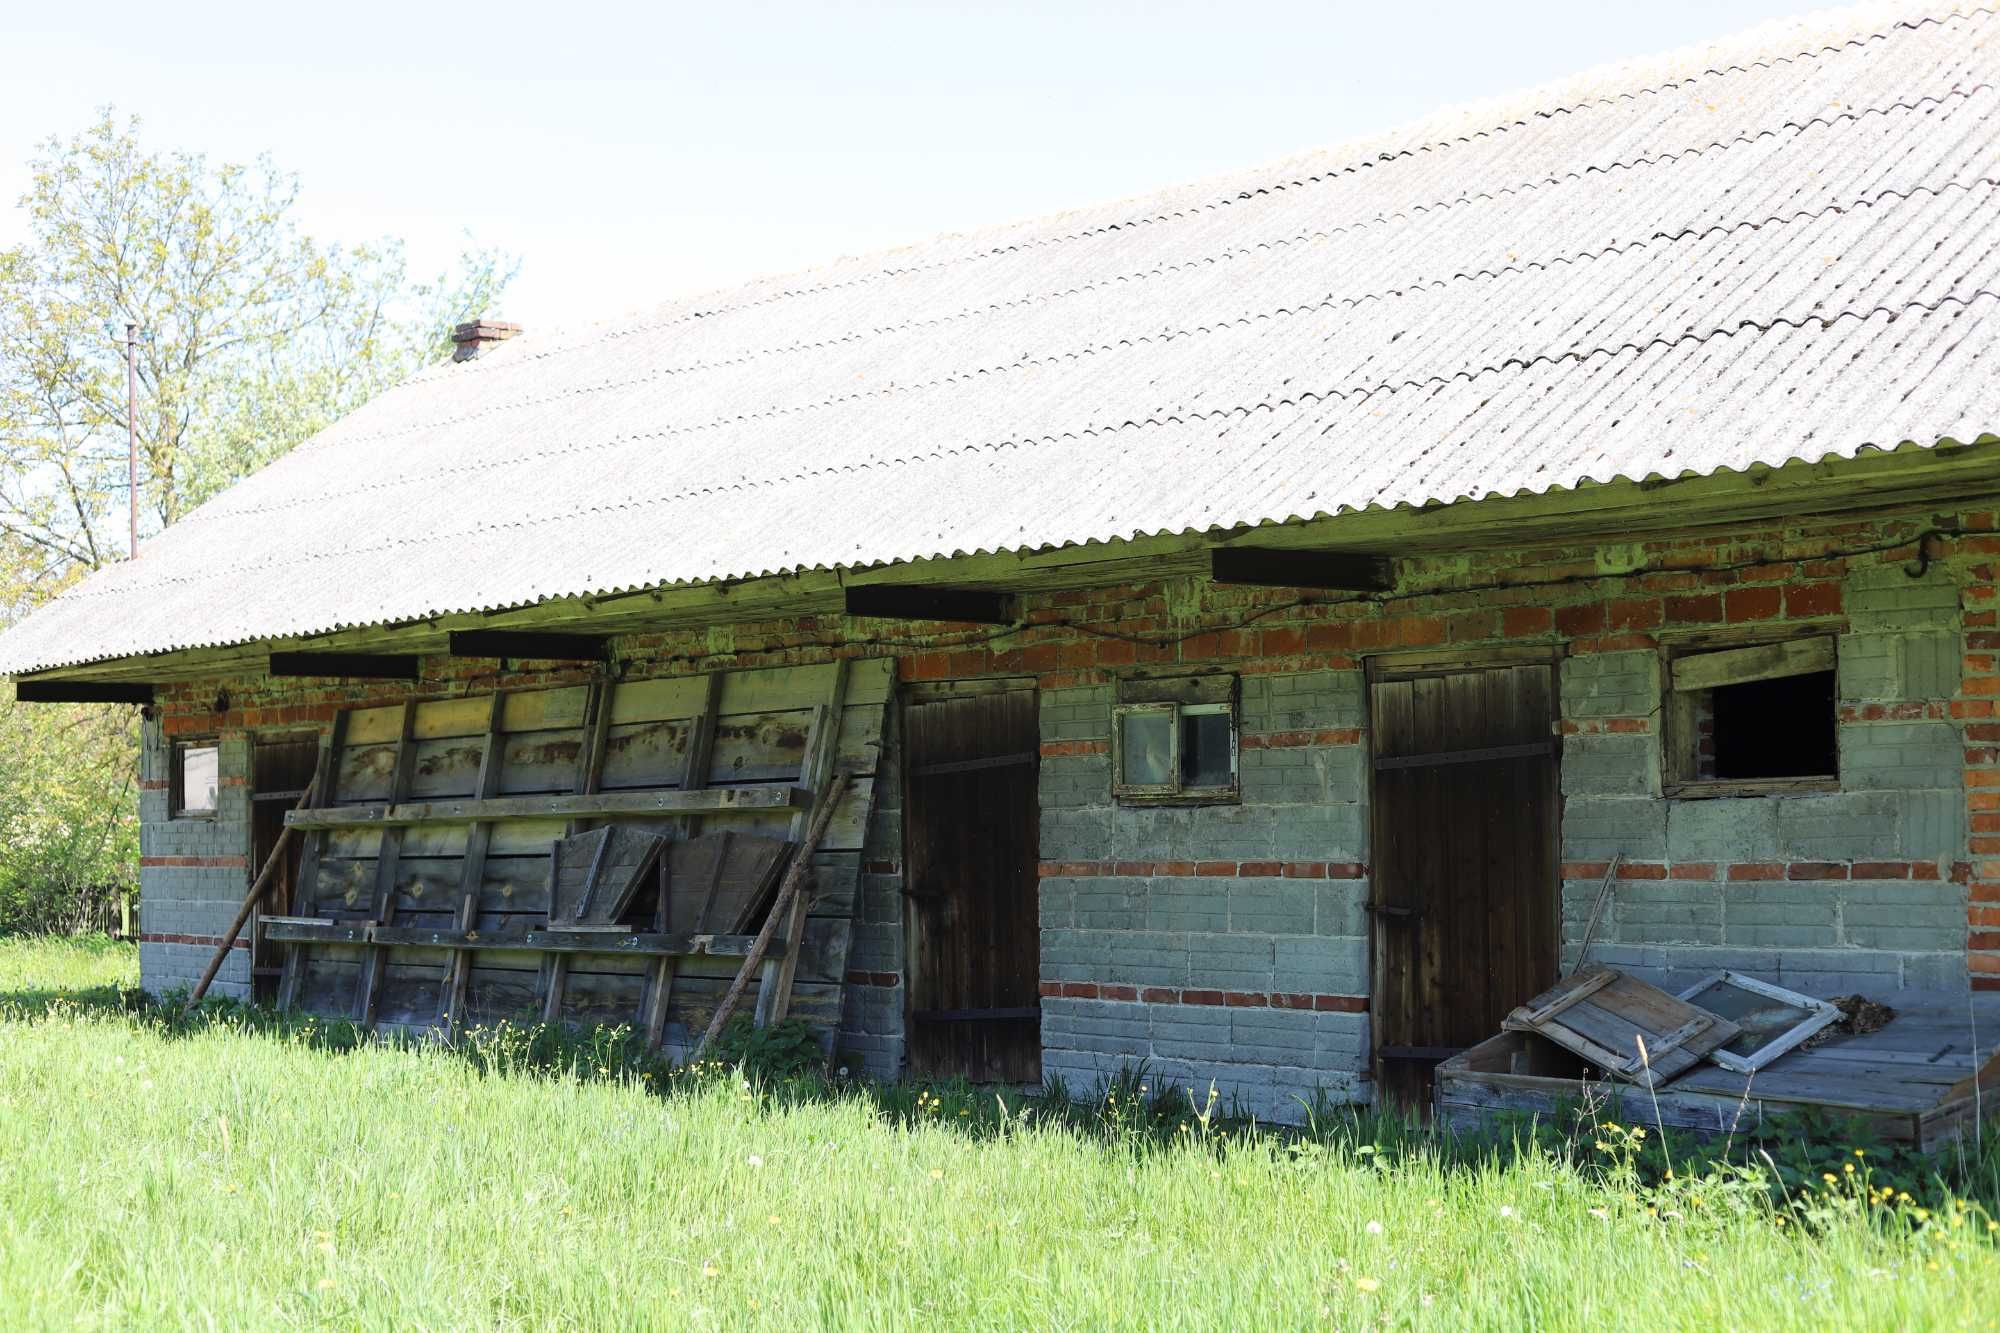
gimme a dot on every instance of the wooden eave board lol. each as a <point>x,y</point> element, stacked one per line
<point>1602,1014</point>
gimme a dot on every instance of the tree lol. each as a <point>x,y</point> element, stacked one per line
<point>256,335</point>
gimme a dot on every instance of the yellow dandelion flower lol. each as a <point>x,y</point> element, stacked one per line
<point>1366,1284</point>
<point>325,1284</point>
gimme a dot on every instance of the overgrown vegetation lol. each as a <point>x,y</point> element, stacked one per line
<point>253,336</point>
<point>220,1167</point>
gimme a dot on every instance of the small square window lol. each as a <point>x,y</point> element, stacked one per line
<point>1754,719</point>
<point>1176,750</point>
<point>196,777</point>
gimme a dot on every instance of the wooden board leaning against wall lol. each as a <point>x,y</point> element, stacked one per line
<point>405,772</point>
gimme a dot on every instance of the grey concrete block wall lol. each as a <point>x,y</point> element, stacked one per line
<point>1275,1064</point>
<point>1900,800</point>
<point>1166,926</point>
<point>193,872</point>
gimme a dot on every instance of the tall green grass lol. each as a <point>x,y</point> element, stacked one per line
<point>225,1171</point>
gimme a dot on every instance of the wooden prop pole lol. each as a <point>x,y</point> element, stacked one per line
<point>257,890</point>
<point>795,874</point>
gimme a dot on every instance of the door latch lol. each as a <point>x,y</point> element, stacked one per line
<point>1396,911</point>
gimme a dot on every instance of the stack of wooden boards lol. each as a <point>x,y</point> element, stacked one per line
<point>590,854</point>
<point>1723,1055</point>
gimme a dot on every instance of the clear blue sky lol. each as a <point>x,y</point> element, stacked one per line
<point>628,153</point>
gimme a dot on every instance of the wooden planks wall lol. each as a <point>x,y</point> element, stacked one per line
<point>419,877</point>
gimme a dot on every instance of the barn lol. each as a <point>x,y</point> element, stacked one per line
<point>1234,632</point>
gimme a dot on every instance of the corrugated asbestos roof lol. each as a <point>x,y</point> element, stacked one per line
<point>1781,246</point>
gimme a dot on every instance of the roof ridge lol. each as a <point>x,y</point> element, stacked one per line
<point>1268,403</point>
<point>1756,38</point>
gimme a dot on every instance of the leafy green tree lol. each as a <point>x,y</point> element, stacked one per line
<point>254,336</point>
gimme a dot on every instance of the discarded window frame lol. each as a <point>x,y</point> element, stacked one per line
<point>1752,719</point>
<point>194,779</point>
<point>1771,1019</point>
<point>1174,740</point>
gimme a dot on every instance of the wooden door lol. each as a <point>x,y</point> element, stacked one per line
<point>970,826</point>
<point>1466,814</point>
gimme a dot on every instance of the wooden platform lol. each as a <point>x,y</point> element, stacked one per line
<point>1921,1080</point>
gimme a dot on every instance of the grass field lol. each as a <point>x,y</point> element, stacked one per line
<point>224,1171</point>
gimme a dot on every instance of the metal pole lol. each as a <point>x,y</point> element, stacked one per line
<point>132,435</point>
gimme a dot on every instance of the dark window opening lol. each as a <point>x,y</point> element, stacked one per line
<point>1206,758</point>
<point>1782,728</point>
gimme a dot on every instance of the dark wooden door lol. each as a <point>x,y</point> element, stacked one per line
<point>970,824</point>
<point>1466,879</point>
<point>280,769</point>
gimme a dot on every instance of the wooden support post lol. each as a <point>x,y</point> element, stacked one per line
<point>473,872</point>
<point>305,892</point>
<point>589,772</point>
<point>258,887</point>
<point>388,861</point>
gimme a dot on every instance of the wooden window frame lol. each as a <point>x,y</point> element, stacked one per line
<point>177,807</point>
<point>1172,792</point>
<point>1678,734</point>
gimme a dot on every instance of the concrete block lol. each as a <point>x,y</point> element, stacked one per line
<point>1901,755</point>
<point>1274,1036</point>
<point>1271,906</point>
<point>1076,834</point>
<point>1597,827</point>
<point>1110,904</point>
<point>1230,962</point>
<point>1187,904</point>
<point>1665,912</point>
<point>1932,824</point>
<point>1623,684</point>
<point>1884,597</point>
<point>1610,765</point>
<point>1838,826</point>
<point>1781,914</point>
<point>1722,829</point>
<point>1321,965</point>
<point>1340,907</point>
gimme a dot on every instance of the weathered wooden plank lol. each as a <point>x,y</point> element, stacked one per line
<point>545,940</point>
<point>382,900</point>
<point>1765,661</point>
<point>714,801</point>
<point>541,762</point>
<point>646,754</point>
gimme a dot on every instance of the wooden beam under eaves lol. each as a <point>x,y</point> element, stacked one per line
<point>358,666</point>
<point>908,601</point>
<point>81,692</point>
<point>519,643</point>
<point>1344,570</point>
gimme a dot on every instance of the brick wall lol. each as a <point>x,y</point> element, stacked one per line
<point>1166,928</point>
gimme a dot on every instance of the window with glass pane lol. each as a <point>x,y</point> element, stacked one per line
<point>197,774</point>
<point>1208,750</point>
<point>1146,746</point>
<point>1176,751</point>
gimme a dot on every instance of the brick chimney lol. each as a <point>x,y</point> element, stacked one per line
<point>473,338</point>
